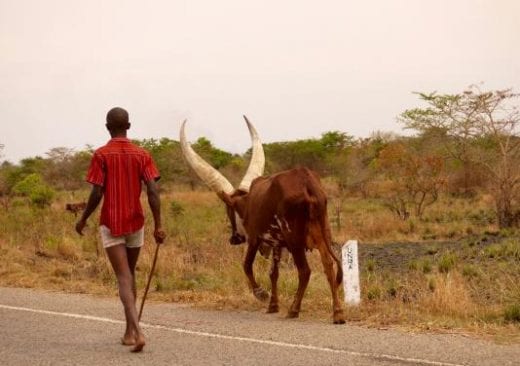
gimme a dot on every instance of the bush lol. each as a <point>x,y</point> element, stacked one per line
<point>413,265</point>
<point>508,249</point>
<point>426,266</point>
<point>493,251</point>
<point>432,284</point>
<point>469,271</point>
<point>374,293</point>
<point>392,287</point>
<point>371,265</point>
<point>42,196</point>
<point>176,209</point>
<point>447,262</point>
<point>33,187</point>
<point>512,313</point>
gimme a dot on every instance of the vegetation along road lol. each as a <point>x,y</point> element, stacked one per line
<point>58,329</point>
<point>436,214</point>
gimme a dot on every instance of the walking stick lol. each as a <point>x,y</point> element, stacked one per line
<point>152,270</point>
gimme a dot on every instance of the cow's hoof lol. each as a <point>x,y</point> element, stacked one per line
<point>292,314</point>
<point>261,294</point>
<point>273,308</point>
<point>338,317</point>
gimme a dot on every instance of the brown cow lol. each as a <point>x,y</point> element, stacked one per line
<point>284,210</point>
<point>75,208</point>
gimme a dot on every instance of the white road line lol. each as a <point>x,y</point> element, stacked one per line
<point>235,338</point>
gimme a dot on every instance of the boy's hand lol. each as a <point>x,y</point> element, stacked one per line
<point>80,225</point>
<point>159,236</point>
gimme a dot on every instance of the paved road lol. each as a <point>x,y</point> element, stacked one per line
<point>46,328</point>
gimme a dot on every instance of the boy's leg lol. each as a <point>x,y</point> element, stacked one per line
<point>132,255</point>
<point>119,259</point>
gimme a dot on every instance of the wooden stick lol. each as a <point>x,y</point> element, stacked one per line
<point>152,270</point>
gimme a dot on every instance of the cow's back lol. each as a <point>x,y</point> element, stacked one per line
<point>295,196</point>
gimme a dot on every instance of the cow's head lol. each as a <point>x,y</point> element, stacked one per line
<point>235,199</point>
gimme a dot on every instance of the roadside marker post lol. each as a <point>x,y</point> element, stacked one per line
<point>349,255</point>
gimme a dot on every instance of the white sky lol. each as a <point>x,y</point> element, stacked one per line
<point>295,68</point>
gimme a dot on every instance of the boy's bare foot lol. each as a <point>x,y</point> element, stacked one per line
<point>139,343</point>
<point>128,340</point>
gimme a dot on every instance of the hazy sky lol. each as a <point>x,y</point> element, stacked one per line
<point>296,68</point>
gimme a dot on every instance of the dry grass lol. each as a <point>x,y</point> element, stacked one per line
<point>40,249</point>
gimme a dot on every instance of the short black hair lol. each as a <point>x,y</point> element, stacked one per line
<point>117,119</point>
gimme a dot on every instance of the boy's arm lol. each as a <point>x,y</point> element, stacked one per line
<point>155,205</point>
<point>93,201</point>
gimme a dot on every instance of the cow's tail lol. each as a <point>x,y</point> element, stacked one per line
<point>315,214</point>
<point>339,273</point>
<point>328,242</point>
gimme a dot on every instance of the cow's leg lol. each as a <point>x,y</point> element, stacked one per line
<point>338,317</point>
<point>258,291</point>
<point>304,273</point>
<point>273,304</point>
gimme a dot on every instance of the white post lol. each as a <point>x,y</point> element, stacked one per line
<point>349,254</point>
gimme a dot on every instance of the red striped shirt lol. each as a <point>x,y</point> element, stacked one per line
<point>120,167</point>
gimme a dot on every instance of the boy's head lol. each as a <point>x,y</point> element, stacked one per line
<point>117,120</point>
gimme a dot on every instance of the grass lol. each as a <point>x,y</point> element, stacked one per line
<point>465,277</point>
<point>447,262</point>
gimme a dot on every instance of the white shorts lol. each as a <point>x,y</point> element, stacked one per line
<point>133,240</point>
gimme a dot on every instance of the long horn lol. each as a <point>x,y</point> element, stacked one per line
<point>209,175</point>
<point>257,163</point>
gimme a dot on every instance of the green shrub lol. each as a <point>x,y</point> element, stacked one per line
<point>482,217</point>
<point>432,285</point>
<point>28,185</point>
<point>469,271</point>
<point>413,265</point>
<point>426,266</point>
<point>371,265</point>
<point>432,250</point>
<point>507,232</point>
<point>33,187</point>
<point>374,293</point>
<point>512,249</point>
<point>447,262</point>
<point>42,196</point>
<point>509,249</point>
<point>392,288</point>
<point>512,313</point>
<point>176,209</point>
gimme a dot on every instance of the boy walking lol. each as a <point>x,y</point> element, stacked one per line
<point>116,172</point>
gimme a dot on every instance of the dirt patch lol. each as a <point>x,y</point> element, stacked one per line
<point>396,257</point>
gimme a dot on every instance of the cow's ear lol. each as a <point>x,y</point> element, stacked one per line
<point>226,198</point>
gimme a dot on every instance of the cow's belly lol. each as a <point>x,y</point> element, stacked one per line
<point>273,237</point>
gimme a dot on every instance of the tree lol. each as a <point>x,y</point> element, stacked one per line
<point>448,120</point>
<point>484,126</point>
<point>5,191</point>
<point>65,169</point>
<point>216,157</point>
<point>409,181</point>
<point>358,173</point>
<point>168,157</point>
<point>317,154</point>
<point>336,147</point>
<point>33,187</point>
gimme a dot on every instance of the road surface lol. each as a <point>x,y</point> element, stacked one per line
<point>46,328</point>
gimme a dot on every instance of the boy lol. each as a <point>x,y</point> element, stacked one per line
<point>116,172</point>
